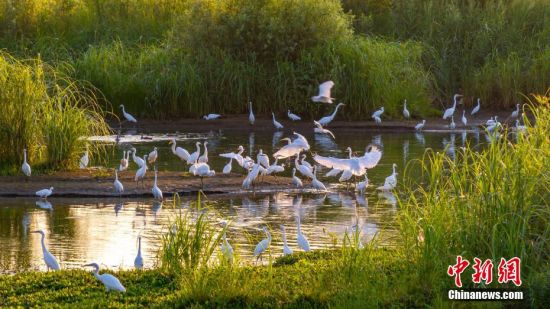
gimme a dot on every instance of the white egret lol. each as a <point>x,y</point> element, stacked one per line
<point>295,180</point>
<point>303,169</point>
<point>195,155</point>
<point>124,161</point>
<point>153,156</point>
<point>84,160</point>
<point>304,162</point>
<point>356,165</point>
<point>420,125</point>
<point>211,116</point>
<point>515,113</point>
<point>203,170</point>
<point>49,259</point>
<point>362,186</point>
<point>127,116</point>
<point>377,119</point>
<point>301,140</point>
<point>292,148</point>
<point>138,261</point>
<point>44,193</point>
<point>137,160</point>
<point>477,107</point>
<point>450,111</point>
<point>237,156</point>
<point>227,167</point>
<point>292,116</point>
<point>225,247</point>
<point>157,192</point>
<point>301,239</point>
<point>286,248</point>
<point>252,175</point>
<point>178,151</point>
<point>318,185</point>
<point>464,120</point>
<point>452,125</point>
<point>262,246</point>
<point>262,159</point>
<point>406,113</point>
<point>391,181</point>
<point>25,167</point>
<point>110,282</point>
<point>328,119</point>
<point>324,93</point>
<point>251,118</point>
<point>204,157</point>
<point>119,188</point>
<point>278,125</point>
<point>493,126</point>
<point>520,128</point>
<point>274,168</point>
<point>319,129</point>
<point>492,121</point>
<point>140,173</point>
<point>378,113</point>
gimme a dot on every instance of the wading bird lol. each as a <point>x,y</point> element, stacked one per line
<point>225,247</point>
<point>204,157</point>
<point>450,111</point>
<point>251,118</point>
<point>356,166</point>
<point>119,188</point>
<point>227,167</point>
<point>391,181</point>
<point>178,151</point>
<point>138,261</point>
<point>49,259</point>
<point>406,113</point>
<point>124,161</point>
<point>153,156</point>
<point>84,160</point>
<point>420,125</point>
<point>262,246</point>
<point>286,248</point>
<point>44,193</point>
<point>211,116</point>
<point>319,129</point>
<point>295,180</point>
<point>328,119</point>
<point>303,169</point>
<point>292,116</point>
<point>477,107</point>
<point>378,113</point>
<point>318,185</point>
<point>157,193</point>
<point>301,239</point>
<point>110,282</point>
<point>262,159</point>
<point>140,173</point>
<point>377,119</point>
<point>127,116</point>
<point>274,168</point>
<point>202,170</point>
<point>235,155</point>
<point>195,155</point>
<point>137,160</point>
<point>324,93</point>
<point>464,120</point>
<point>278,125</point>
<point>515,113</point>
<point>25,167</point>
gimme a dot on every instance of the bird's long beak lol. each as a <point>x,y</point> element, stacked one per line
<point>35,232</point>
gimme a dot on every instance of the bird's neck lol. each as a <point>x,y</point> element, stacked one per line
<point>174,147</point>
<point>43,244</point>
<point>25,157</point>
<point>139,247</point>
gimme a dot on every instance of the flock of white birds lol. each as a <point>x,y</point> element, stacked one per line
<point>351,169</point>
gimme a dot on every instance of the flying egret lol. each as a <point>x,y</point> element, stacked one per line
<point>319,129</point>
<point>127,116</point>
<point>44,193</point>
<point>237,156</point>
<point>153,156</point>
<point>515,113</point>
<point>110,282</point>
<point>292,148</point>
<point>84,160</point>
<point>137,160</point>
<point>138,261</point>
<point>124,161</point>
<point>301,239</point>
<point>251,118</point>
<point>391,181</point>
<point>450,111</point>
<point>362,186</point>
<point>140,173</point>
<point>420,125</point>
<point>25,167</point>
<point>286,248</point>
<point>318,185</point>
<point>49,259</point>
<point>178,151</point>
<point>406,113</point>
<point>464,120</point>
<point>278,125</point>
<point>195,155</point>
<point>328,119</point>
<point>204,157</point>
<point>477,107</point>
<point>378,113</point>
<point>452,125</point>
<point>157,193</point>
<point>227,167</point>
<point>119,188</point>
<point>357,166</point>
<point>262,246</point>
<point>211,116</point>
<point>324,93</point>
<point>225,247</point>
<point>262,159</point>
<point>292,116</point>
<point>295,180</point>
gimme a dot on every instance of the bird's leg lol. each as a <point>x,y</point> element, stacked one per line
<point>202,184</point>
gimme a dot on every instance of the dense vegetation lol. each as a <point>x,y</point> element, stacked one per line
<point>188,57</point>
<point>489,204</point>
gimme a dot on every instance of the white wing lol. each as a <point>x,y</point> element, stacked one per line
<point>324,89</point>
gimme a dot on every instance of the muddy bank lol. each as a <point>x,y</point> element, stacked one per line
<point>93,183</point>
